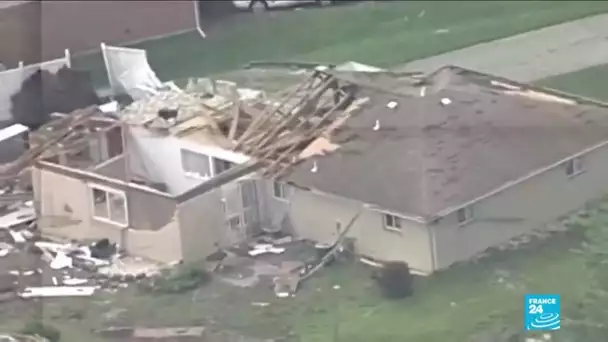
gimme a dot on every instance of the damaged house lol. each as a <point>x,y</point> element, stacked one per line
<point>430,171</point>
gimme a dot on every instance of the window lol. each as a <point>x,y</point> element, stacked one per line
<point>195,164</point>
<point>574,166</point>
<point>220,165</point>
<point>109,205</point>
<point>392,222</point>
<point>279,190</point>
<point>234,222</point>
<point>464,215</point>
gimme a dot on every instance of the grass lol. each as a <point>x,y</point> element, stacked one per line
<point>381,33</point>
<point>589,82</point>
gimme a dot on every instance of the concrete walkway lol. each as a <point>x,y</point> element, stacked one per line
<point>533,55</point>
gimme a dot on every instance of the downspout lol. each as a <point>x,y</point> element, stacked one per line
<point>433,246</point>
<point>197,18</point>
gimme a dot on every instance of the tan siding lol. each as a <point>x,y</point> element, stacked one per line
<point>66,199</point>
<point>315,216</point>
<point>202,225</point>
<point>536,201</point>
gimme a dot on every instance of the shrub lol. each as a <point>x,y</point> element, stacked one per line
<point>181,279</point>
<point>395,280</point>
<point>37,328</point>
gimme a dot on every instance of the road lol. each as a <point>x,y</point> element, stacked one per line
<point>533,55</point>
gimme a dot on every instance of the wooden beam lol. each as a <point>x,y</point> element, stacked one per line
<point>312,96</point>
<point>235,119</point>
<point>267,114</point>
<point>309,133</point>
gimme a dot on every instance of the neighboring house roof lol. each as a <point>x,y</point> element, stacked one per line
<point>427,156</point>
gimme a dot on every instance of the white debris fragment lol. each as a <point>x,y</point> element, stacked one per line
<point>55,282</point>
<point>445,101</point>
<point>29,273</point>
<point>17,217</point>
<point>61,261</point>
<point>337,287</point>
<point>58,291</point>
<point>265,249</point>
<point>74,281</point>
<point>17,236</point>
<point>5,249</point>
<point>260,304</point>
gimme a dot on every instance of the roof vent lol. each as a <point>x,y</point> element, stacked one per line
<point>423,91</point>
<point>445,101</point>
<point>391,105</point>
<point>315,168</point>
<point>377,125</point>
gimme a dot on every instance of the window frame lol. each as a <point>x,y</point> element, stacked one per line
<point>282,193</point>
<point>107,190</point>
<point>395,224</point>
<point>465,212</point>
<point>194,174</point>
<point>215,161</point>
<point>574,167</point>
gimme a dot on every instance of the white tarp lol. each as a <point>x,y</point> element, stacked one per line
<point>129,71</point>
<point>12,79</point>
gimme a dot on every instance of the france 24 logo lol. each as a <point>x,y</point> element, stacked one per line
<point>543,312</point>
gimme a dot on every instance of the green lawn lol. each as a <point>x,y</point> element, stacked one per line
<point>381,33</point>
<point>590,82</point>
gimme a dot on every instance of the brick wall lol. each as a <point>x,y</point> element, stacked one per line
<point>35,30</point>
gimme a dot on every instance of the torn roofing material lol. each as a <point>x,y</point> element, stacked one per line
<point>458,135</point>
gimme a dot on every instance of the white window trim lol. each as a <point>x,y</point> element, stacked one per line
<point>112,191</point>
<point>469,215</point>
<point>577,167</point>
<point>392,228</point>
<point>211,162</point>
<point>283,191</point>
<point>192,174</point>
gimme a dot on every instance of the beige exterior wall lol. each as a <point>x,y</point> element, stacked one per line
<point>202,224</point>
<point>520,209</point>
<point>66,199</point>
<point>315,216</point>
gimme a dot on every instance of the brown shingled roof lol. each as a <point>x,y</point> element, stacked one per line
<point>427,156</point>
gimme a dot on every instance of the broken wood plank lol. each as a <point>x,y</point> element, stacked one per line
<point>310,131</point>
<point>269,113</point>
<point>335,247</point>
<point>235,119</point>
<point>310,98</point>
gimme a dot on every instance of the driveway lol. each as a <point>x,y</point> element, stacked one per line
<point>533,55</point>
